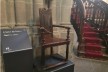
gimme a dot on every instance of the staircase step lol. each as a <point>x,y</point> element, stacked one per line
<point>90,54</point>
<point>92,40</point>
<point>88,29</point>
<point>86,24</point>
<point>90,34</point>
<point>93,47</point>
<point>93,54</point>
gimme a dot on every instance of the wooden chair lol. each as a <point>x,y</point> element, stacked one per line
<point>48,40</point>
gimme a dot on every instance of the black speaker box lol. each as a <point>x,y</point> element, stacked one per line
<point>16,50</point>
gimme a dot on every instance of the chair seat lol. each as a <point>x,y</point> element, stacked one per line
<point>53,41</point>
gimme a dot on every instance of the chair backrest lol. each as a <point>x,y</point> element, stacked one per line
<point>46,18</point>
<point>46,21</point>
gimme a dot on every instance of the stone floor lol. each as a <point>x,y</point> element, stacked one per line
<point>85,65</point>
<point>89,65</point>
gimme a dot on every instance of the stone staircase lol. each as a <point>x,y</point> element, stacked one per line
<point>90,21</point>
<point>92,44</point>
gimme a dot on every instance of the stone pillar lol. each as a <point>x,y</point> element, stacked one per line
<point>29,12</point>
<point>63,10</point>
<point>36,5</point>
<point>66,11</point>
<point>3,13</point>
<point>20,10</point>
<point>54,13</point>
<point>10,13</point>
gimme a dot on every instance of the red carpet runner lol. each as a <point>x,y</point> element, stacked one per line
<point>93,47</point>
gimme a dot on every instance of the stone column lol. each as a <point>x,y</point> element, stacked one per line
<point>10,13</point>
<point>20,9</point>
<point>29,12</point>
<point>37,4</point>
<point>3,13</point>
<point>54,13</point>
<point>66,11</point>
<point>63,11</point>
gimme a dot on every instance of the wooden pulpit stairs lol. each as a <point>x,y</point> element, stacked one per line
<point>90,21</point>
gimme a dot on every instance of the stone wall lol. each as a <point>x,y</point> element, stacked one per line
<point>22,12</point>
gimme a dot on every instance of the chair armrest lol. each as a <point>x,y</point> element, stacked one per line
<point>68,30</point>
<point>61,26</point>
<point>45,31</point>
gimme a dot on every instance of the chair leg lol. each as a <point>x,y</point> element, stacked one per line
<point>67,51</point>
<point>43,57</point>
<point>51,51</point>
